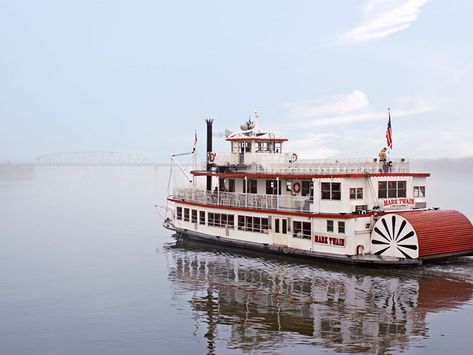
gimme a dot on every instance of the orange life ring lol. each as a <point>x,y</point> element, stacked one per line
<point>294,157</point>
<point>296,188</point>
<point>212,156</point>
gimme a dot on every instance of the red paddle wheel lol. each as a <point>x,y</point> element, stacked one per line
<point>422,234</point>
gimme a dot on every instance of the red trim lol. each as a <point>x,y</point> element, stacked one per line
<point>300,214</point>
<point>256,139</point>
<point>306,176</point>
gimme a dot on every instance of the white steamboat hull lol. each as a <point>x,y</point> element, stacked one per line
<point>366,259</point>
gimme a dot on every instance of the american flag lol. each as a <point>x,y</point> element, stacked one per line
<point>389,133</point>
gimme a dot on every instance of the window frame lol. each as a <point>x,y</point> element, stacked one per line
<point>202,217</point>
<point>252,186</point>
<point>329,192</point>
<point>356,193</point>
<point>341,227</point>
<point>273,187</point>
<point>186,214</point>
<point>330,225</point>
<point>302,230</point>
<point>392,189</point>
<point>307,188</point>
<point>231,185</point>
<point>419,191</point>
<point>179,213</point>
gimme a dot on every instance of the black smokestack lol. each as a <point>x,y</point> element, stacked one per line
<point>209,149</point>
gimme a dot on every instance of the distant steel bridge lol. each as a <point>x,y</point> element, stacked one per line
<point>95,158</point>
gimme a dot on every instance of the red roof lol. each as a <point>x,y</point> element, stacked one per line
<point>441,232</point>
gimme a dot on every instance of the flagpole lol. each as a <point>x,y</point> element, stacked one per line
<point>389,137</point>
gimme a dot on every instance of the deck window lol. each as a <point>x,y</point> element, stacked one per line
<point>307,188</point>
<point>273,187</point>
<point>221,220</point>
<point>194,216</point>
<point>391,189</point>
<point>253,224</point>
<point>179,213</point>
<point>341,227</point>
<point>419,191</point>
<point>329,226</point>
<point>186,215</point>
<point>202,217</point>
<point>211,219</point>
<point>331,191</point>
<point>302,230</point>
<point>356,193</point>
<point>264,225</point>
<point>231,185</point>
<point>221,184</point>
<point>252,186</point>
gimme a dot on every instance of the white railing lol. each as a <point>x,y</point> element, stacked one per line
<point>260,159</point>
<point>254,201</point>
<point>340,167</point>
<point>319,167</point>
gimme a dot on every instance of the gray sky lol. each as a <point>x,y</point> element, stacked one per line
<point>140,76</point>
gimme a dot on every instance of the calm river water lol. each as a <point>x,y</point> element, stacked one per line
<point>86,268</point>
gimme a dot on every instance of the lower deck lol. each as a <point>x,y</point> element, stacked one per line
<point>409,237</point>
<point>342,235</point>
<point>367,259</point>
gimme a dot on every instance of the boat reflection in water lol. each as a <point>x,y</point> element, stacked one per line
<point>251,302</point>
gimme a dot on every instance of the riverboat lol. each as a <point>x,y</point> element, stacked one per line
<point>366,211</point>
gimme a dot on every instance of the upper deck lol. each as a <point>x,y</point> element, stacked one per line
<point>285,165</point>
<point>257,152</point>
<point>258,174</point>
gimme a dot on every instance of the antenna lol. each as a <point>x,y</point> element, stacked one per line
<point>256,116</point>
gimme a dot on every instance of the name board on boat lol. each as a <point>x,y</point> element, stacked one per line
<point>339,242</point>
<point>398,202</point>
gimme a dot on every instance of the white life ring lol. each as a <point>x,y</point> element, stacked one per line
<point>296,188</point>
<point>294,157</point>
<point>212,156</point>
